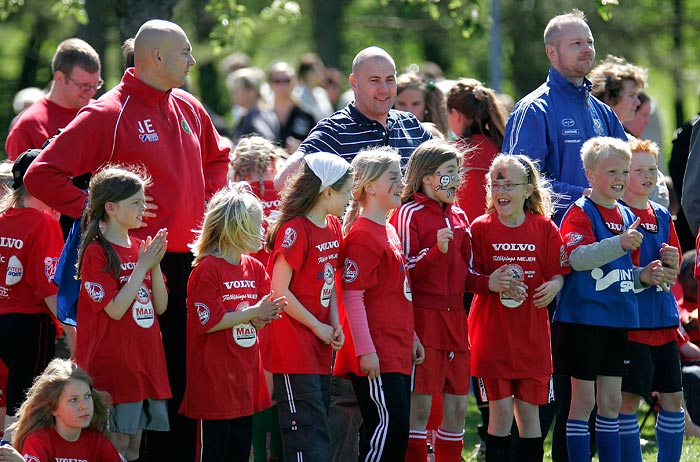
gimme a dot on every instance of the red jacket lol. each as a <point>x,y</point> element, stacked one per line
<point>438,280</point>
<point>169,133</point>
<point>471,195</point>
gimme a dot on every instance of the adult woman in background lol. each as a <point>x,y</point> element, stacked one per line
<point>478,119</point>
<point>423,99</point>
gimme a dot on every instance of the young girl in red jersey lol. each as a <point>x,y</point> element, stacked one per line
<point>477,117</point>
<point>30,245</point>
<point>305,242</point>
<point>436,240</point>
<point>122,290</point>
<point>510,339</point>
<point>254,161</point>
<point>378,309</point>
<point>228,300</point>
<point>64,418</point>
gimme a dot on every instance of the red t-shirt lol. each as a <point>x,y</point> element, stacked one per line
<point>270,201</point>
<point>471,195</point>
<point>46,445</point>
<point>223,367</point>
<point>30,245</point>
<point>288,346</point>
<point>35,125</point>
<point>509,339</point>
<point>125,358</point>
<point>374,262</point>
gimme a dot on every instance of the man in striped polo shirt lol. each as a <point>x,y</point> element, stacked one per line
<point>367,121</point>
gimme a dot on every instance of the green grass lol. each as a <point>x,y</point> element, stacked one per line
<point>691,446</point>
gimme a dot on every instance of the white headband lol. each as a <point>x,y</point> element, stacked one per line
<point>329,168</point>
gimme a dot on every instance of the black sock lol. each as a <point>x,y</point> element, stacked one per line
<point>531,450</point>
<point>497,448</point>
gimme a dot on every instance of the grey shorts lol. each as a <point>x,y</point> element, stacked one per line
<point>129,418</point>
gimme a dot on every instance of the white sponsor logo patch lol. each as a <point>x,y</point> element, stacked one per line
<point>15,271</point>
<point>573,239</point>
<point>142,309</point>
<point>202,312</point>
<point>50,265</point>
<point>328,284</point>
<point>516,272</point>
<point>244,334</point>
<point>94,291</point>
<point>290,237</point>
<point>350,271</point>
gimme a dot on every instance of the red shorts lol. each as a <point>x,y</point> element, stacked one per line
<point>442,372</point>
<point>535,390</point>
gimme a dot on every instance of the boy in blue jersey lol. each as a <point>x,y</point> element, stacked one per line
<point>653,351</point>
<point>597,304</point>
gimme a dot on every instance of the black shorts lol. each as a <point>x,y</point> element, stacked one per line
<point>653,368</point>
<point>27,344</point>
<point>585,352</point>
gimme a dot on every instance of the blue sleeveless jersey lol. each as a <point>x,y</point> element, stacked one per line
<point>603,296</point>
<point>657,309</point>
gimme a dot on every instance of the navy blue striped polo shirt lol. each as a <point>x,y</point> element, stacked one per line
<point>348,131</point>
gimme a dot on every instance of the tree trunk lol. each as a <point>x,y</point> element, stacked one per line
<point>327,23</point>
<point>131,14</point>
<point>31,55</point>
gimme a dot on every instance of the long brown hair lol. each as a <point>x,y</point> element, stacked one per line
<point>480,105</point>
<point>36,412</point>
<point>111,184</point>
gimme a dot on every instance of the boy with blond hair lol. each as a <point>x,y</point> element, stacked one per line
<point>597,304</point>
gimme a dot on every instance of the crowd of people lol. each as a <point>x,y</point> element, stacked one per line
<point>331,282</point>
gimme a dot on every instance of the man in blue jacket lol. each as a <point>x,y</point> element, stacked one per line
<point>551,123</point>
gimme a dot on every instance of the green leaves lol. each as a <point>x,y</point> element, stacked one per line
<point>9,7</point>
<point>236,24</point>
<point>70,9</point>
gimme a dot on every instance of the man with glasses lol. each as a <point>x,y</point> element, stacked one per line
<point>76,78</point>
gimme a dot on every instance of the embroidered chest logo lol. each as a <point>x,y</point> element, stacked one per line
<point>598,127</point>
<point>185,127</point>
<point>146,131</point>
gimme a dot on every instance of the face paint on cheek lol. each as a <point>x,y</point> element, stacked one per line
<point>445,181</point>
